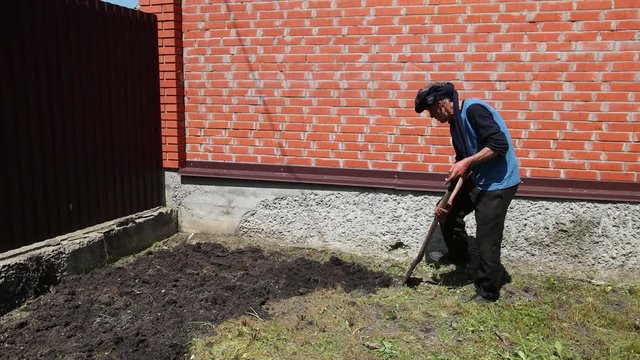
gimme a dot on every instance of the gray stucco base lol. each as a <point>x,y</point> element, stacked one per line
<point>30,270</point>
<point>591,240</point>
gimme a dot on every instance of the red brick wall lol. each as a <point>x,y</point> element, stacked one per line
<point>331,83</point>
<point>172,113</point>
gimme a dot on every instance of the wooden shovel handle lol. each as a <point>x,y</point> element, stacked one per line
<point>454,192</point>
<point>447,198</point>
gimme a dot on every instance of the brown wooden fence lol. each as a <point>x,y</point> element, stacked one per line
<point>80,117</point>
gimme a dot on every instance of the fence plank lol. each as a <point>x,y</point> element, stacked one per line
<point>80,117</point>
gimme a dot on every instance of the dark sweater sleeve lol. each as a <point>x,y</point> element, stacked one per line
<point>487,129</point>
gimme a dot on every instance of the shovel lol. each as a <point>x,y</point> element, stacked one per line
<point>447,198</point>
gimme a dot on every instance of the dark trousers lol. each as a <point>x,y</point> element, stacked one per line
<point>490,211</point>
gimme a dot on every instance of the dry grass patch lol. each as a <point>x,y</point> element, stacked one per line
<point>538,317</point>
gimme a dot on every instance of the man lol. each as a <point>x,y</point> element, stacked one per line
<point>485,160</point>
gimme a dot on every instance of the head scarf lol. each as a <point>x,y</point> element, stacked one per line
<point>437,92</point>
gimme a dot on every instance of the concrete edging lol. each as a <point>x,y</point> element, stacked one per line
<point>30,270</point>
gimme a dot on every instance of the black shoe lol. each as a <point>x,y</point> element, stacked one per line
<point>433,280</point>
<point>479,299</point>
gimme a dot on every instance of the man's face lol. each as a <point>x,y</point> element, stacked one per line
<point>440,112</point>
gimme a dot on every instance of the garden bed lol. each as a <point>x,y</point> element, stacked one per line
<point>151,306</point>
<point>213,297</point>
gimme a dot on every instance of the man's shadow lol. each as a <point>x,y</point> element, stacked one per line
<point>464,274</point>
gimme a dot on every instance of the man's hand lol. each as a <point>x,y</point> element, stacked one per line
<point>458,170</point>
<point>442,210</point>
<point>461,168</point>
<point>444,207</point>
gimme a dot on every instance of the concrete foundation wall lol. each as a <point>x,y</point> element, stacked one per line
<point>29,271</point>
<point>588,239</point>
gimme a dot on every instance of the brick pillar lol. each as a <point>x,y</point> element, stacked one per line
<point>169,13</point>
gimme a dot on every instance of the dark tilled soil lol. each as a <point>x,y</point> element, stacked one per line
<point>152,307</point>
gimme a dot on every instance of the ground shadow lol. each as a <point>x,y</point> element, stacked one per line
<point>459,275</point>
<point>462,276</point>
<point>152,307</point>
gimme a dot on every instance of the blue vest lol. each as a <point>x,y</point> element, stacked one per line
<point>501,172</point>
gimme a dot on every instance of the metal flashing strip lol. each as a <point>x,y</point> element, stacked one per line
<point>403,180</point>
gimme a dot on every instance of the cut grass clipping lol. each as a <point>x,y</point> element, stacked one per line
<point>538,317</point>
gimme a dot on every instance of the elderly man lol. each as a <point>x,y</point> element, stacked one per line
<point>486,161</point>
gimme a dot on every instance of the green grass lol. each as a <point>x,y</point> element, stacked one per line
<point>538,317</point>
